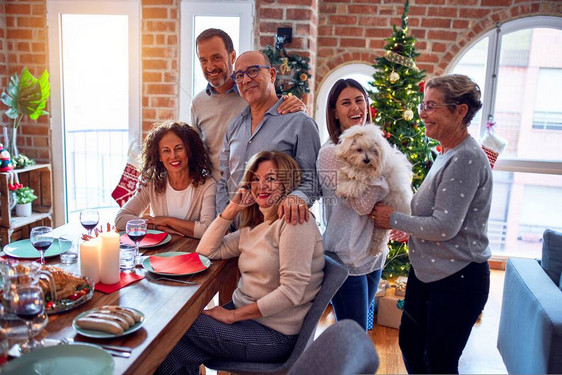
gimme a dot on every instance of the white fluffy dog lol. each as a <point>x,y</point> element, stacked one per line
<point>364,155</point>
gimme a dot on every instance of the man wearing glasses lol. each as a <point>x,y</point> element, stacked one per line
<point>260,127</point>
<point>213,108</point>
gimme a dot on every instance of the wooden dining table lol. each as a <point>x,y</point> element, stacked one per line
<point>169,308</point>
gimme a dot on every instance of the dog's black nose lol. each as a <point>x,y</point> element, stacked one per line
<point>366,161</point>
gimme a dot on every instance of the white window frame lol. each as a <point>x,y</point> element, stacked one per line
<point>489,99</point>
<point>55,9</point>
<point>188,53</point>
<point>326,86</point>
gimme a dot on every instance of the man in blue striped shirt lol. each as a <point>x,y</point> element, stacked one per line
<point>261,128</point>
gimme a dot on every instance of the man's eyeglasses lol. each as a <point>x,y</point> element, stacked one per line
<point>429,107</point>
<point>252,72</point>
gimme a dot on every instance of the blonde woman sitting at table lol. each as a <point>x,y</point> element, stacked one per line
<point>281,267</point>
<point>179,188</point>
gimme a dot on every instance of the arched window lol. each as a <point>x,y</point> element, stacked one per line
<point>362,73</point>
<point>518,66</point>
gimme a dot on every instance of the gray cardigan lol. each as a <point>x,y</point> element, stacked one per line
<point>450,213</point>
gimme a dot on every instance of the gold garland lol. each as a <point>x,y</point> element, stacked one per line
<point>399,59</point>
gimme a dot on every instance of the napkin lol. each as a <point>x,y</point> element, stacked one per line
<point>150,239</point>
<point>126,278</point>
<point>179,264</point>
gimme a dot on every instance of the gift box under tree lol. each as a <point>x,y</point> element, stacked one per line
<point>389,312</point>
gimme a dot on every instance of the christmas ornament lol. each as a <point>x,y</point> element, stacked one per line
<point>127,185</point>
<point>284,68</point>
<point>393,77</point>
<point>408,115</point>
<point>5,160</point>
<point>492,144</point>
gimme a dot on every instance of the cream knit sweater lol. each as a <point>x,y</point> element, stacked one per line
<point>281,268</point>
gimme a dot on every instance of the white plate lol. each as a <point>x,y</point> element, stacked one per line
<point>147,266</point>
<point>106,335</point>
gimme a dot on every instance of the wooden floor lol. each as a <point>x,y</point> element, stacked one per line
<point>480,355</point>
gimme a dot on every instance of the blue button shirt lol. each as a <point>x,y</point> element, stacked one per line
<point>295,134</point>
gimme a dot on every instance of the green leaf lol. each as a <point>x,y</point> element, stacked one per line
<point>25,195</point>
<point>26,95</point>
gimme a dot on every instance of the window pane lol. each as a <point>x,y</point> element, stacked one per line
<point>230,25</point>
<point>527,111</point>
<point>548,108</point>
<point>95,76</point>
<point>473,65</point>
<point>523,206</point>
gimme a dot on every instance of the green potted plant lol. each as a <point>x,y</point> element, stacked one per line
<point>24,96</point>
<point>24,197</point>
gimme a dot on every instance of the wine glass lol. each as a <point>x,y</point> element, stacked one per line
<point>41,239</point>
<point>89,219</point>
<point>28,302</point>
<point>136,230</point>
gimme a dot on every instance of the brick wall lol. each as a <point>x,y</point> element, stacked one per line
<point>354,30</point>
<point>302,17</point>
<point>3,57</point>
<point>160,61</point>
<point>331,32</point>
<point>25,44</point>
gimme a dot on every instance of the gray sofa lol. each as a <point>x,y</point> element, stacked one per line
<point>530,332</point>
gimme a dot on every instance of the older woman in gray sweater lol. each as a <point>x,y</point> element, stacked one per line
<point>449,279</point>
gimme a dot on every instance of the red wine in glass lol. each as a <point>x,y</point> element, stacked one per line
<point>136,236</point>
<point>89,225</point>
<point>89,220</point>
<point>42,245</point>
<point>136,230</point>
<point>27,309</point>
<point>27,303</point>
<point>42,238</point>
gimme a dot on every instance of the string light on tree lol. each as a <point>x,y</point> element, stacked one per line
<point>396,97</point>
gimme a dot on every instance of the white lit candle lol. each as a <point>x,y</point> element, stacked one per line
<point>90,259</point>
<point>109,260</point>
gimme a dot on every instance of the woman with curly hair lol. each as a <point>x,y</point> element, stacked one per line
<point>180,190</point>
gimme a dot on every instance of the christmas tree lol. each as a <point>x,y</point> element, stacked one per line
<point>399,90</point>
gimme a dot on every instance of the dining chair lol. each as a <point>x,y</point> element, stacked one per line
<point>344,349</point>
<point>334,276</point>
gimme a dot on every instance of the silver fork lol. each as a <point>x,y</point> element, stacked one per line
<point>116,351</point>
<point>173,280</point>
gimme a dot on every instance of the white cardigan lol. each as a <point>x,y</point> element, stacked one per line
<point>201,210</point>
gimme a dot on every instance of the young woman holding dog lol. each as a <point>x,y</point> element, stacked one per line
<point>281,267</point>
<point>449,279</point>
<point>348,228</point>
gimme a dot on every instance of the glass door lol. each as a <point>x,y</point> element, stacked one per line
<point>97,115</point>
<point>233,17</point>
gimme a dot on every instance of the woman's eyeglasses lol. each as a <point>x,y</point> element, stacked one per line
<point>429,107</point>
<point>252,72</point>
